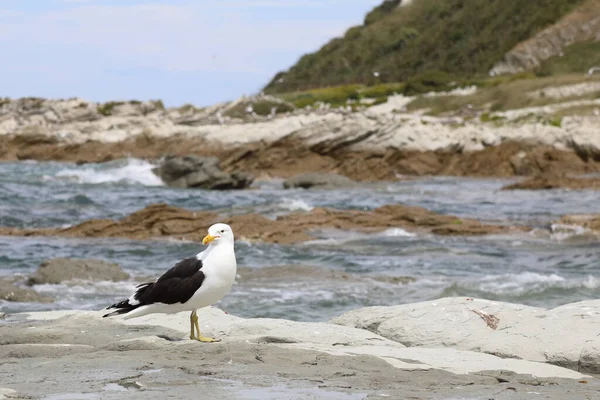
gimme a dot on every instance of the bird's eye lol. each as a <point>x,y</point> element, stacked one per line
<point>222,230</point>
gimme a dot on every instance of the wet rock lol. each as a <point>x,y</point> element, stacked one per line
<point>291,156</point>
<point>161,220</point>
<point>589,222</point>
<point>10,292</point>
<point>156,220</point>
<point>545,182</point>
<point>200,172</point>
<point>502,329</point>
<point>59,270</point>
<point>320,180</point>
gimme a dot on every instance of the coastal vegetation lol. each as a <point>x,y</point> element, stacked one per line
<point>495,95</point>
<point>463,38</point>
<point>577,58</point>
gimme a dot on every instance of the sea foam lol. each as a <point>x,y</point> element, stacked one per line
<point>131,170</point>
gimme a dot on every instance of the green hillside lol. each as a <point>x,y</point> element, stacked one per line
<point>577,58</point>
<point>463,38</point>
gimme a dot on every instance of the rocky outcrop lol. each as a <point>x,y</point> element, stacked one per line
<point>548,181</point>
<point>277,358</point>
<point>589,222</point>
<point>311,180</point>
<point>161,220</point>
<point>199,172</point>
<point>58,270</point>
<point>505,330</point>
<point>371,144</point>
<point>379,143</point>
<point>581,25</point>
<point>11,292</point>
<point>293,156</point>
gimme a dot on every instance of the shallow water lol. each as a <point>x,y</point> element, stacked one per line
<point>314,281</point>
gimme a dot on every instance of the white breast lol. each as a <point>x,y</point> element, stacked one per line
<point>220,269</point>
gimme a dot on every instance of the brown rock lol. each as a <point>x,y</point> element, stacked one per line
<point>515,159</point>
<point>544,182</point>
<point>59,270</point>
<point>153,221</point>
<point>160,220</point>
<point>319,180</point>
<point>10,292</point>
<point>587,221</point>
<point>289,157</point>
<point>419,163</point>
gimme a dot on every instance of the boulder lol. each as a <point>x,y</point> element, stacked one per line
<point>11,292</point>
<point>200,172</point>
<point>59,270</point>
<point>566,336</point>
<point>320,180</point>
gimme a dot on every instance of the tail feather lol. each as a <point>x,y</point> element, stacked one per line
<point>131,303</point>
<point>122,308</point>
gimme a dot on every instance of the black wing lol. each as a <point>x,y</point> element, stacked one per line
<point>185,268</point>
<point>177,285</point>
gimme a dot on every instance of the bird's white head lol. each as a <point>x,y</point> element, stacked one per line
<point>218,233</point>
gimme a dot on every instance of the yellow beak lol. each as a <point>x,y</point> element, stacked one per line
<point>208,238</point>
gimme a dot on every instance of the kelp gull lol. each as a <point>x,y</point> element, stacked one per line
<point>193,283</point>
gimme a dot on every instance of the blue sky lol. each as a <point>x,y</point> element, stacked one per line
<point>180,51</point>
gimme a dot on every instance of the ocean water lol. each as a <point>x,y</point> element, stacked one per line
<point>317,280</point>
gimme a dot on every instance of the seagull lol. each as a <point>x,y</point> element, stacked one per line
<point>191,284</point>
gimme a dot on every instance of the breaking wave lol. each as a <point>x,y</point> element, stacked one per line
<point>131,171</point>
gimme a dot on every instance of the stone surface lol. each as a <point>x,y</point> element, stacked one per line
<point>311,179</point>
<point>587,222</point>
<point>161,220</point>
<point>257,358</point>
<point>565,336</point>
<point>11,292</point>
<point>58,270</point>
<point>200,172</point>
<point>545,182</point>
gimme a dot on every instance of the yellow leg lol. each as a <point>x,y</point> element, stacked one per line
<point>192,334</point>
<point>200,338</point>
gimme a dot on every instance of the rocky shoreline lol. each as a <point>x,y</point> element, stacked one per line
<point>383,142</point>
<point>445,348</point>
<point>288,157</point>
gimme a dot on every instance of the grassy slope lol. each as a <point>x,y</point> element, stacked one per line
<point>461,37</point>
<point>506,95</point>
<point>577,58</point>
